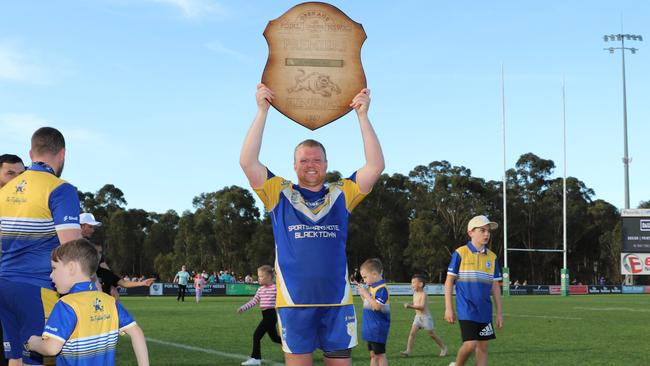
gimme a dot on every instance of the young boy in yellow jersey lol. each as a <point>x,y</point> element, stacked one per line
<point>83,326</point>
<point>376,311</point>
<point>423,319</point>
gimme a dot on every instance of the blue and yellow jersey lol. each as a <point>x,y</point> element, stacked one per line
<point>376,323</point>
<point>310,230</point>
<point>88,322</point>
<point>475,274</point>
<point>33,207</point>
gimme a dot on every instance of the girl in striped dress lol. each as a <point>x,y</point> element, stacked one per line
<point>265,296</point>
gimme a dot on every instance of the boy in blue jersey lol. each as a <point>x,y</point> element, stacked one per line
<point>310,227</point>
<point>476,272</point>
<point>39,211</point>
<point>84,325</point>
<point>376,311</point>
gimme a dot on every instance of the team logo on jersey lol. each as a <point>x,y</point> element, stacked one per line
<point>20,187</point>
<point>488,264</point>
<point>98,305</point>
<point>7,346</point>
<point>295,197</point>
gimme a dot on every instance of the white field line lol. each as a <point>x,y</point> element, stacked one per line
<point>543,316</point>
<point>233,356</point>
<point>632,310</point>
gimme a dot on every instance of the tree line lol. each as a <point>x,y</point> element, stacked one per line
<point>412,222</point>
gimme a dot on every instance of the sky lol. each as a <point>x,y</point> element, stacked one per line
<point>156,96</point>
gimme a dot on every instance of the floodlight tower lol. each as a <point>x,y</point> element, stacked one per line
<point>626,160</point>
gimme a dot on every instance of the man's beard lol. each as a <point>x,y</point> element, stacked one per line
<point>60,171</point>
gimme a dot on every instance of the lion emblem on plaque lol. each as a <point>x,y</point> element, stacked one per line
<point>315,83</point>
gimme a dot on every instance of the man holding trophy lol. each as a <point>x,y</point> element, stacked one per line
<point>310,222</point>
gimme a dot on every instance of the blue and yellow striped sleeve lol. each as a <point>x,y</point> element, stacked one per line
<point>125,319</point>
<point>64,205</point>
<point>352,192</point>
<point>269,193</point>
<point>61,323</point>
<point>454,265</point>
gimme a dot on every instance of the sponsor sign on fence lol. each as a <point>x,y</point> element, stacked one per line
<point>635,263</point>
<point>241,289</point>
<point>605,289</point>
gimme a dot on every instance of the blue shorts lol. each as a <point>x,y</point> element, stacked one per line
<point>24,308</point>
<point>330,328</point>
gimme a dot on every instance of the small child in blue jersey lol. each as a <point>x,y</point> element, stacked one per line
<point>84,325</point>
<point>376,311</point>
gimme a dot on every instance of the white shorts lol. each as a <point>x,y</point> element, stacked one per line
<point>423,321</point>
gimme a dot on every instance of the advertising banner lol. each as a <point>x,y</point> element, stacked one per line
<point>530,290</point>
<point>635,263</point>
<point>633,289</point>
<point>241,289</point>
<point>156,289</point>
<point>578,290</point>
<point>605,289</point>
<point>404,289</point>
<point>635,231</point>
<point>171,289</point>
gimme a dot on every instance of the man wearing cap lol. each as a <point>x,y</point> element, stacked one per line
<point>476,272</point>
<point>39,212</point>
<point>108,280</point>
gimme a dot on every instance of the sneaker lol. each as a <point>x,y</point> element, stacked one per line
<point>452,364</point>
<point>404,353</point>
<point>252,361</point>
<point>443,351</point>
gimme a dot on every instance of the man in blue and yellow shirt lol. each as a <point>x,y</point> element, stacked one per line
<point>475,271</point>
<point>310,226</point>
<point>38,211</point>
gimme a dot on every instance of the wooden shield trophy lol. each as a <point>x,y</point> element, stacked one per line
<point>314,65</point>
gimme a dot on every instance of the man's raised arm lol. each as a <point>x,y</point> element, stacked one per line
<point>369,173</point>
<point>250,151</point>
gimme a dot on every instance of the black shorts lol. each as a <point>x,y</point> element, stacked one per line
<point>377,348</point>
<point>473,331</point>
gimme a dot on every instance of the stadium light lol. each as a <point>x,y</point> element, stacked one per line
<point>626,160</point>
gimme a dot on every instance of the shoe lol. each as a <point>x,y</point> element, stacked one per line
<point>252,361</point>
<point>452,364</point>
<point>404,353</point>
<point>443,351</point>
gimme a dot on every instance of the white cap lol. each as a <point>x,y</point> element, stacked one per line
<point>478,221</point>
<point>88,218</point>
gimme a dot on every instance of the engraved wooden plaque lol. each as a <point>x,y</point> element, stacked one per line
<point>314,64</point>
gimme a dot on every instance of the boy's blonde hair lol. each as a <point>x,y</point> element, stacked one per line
<point>373,265</point>
<point>266,269</point>
<point>81,251</point>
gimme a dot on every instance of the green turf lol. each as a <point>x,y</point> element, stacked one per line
<point>539,330</point>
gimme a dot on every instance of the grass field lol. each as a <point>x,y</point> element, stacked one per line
<point>539,330</point>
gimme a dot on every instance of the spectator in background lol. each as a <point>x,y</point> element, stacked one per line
<point>182,277</point>
<point>212,279</point>
<point>199,283</point>
<point>248,279</point>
